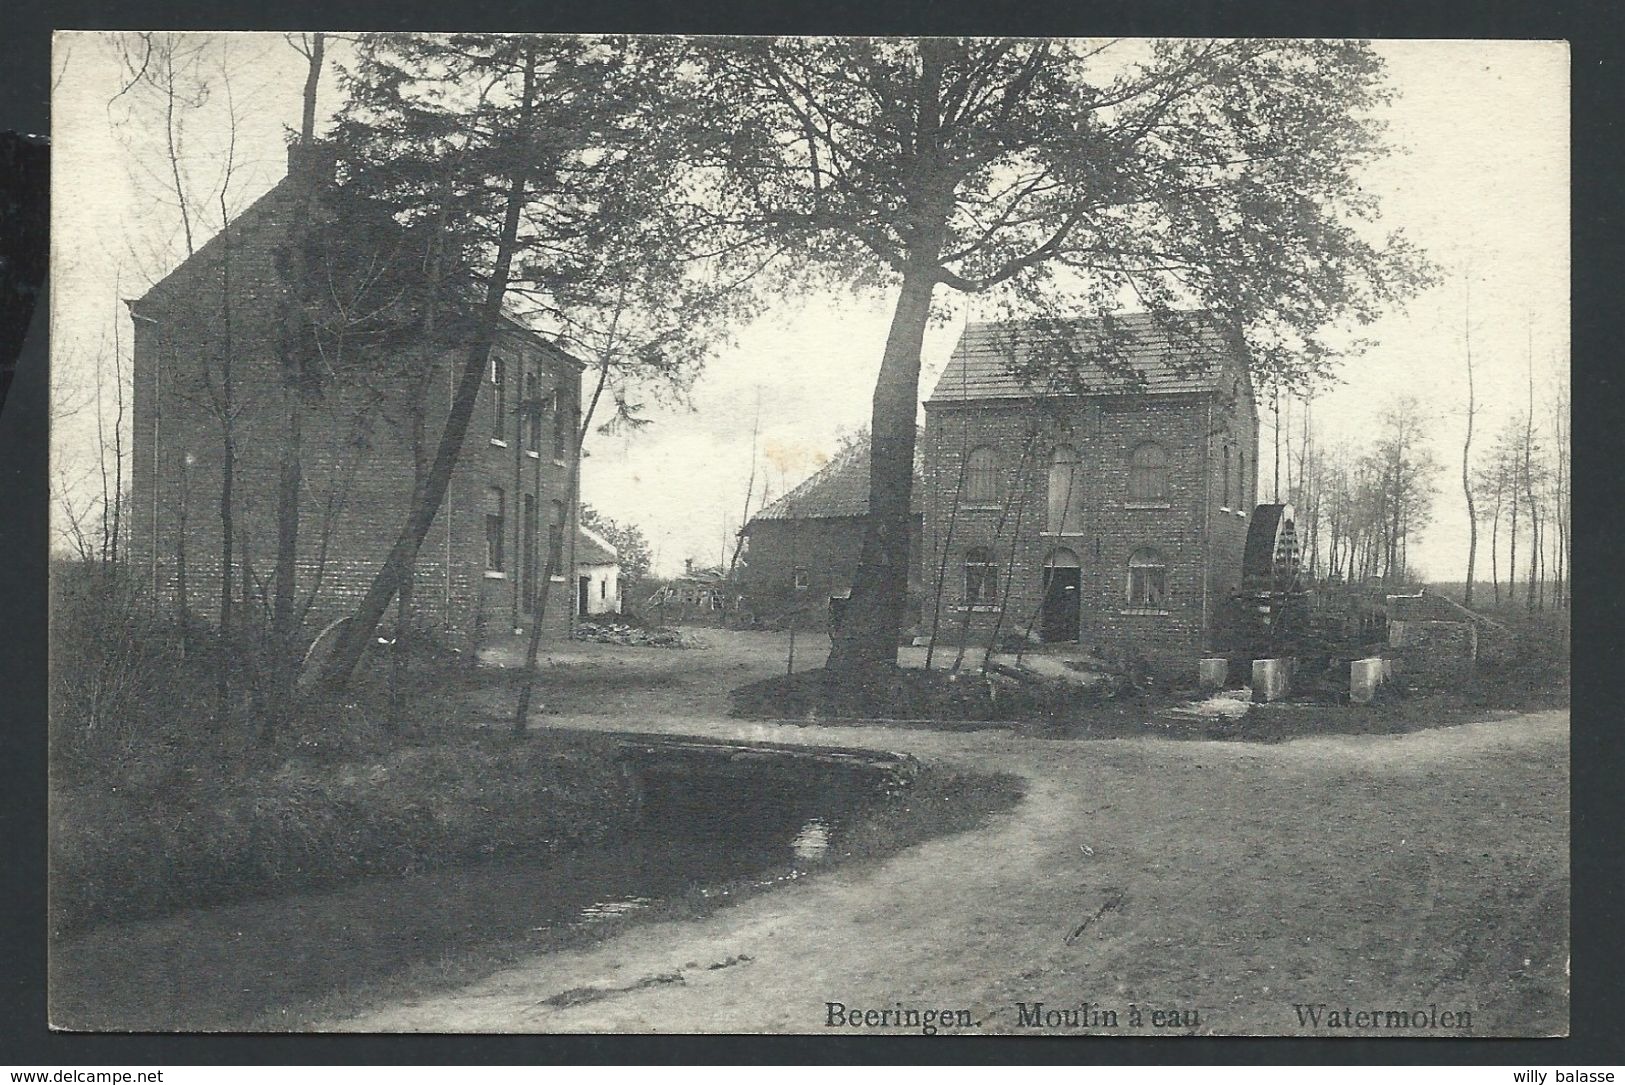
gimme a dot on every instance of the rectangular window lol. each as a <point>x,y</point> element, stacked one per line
<point>532,424</point>
<point>981,576</point>
<point>1147,580</point>
<point>982,477</point>
<point>1147,587</point>
<point>495,513</point>
<point>561,428</point>
<point>802,578</point>
<point>555,539</point>
<point>499,397</point>
<point>1148,474</point>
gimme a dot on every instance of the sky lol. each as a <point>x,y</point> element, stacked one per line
<point>1479,179</point>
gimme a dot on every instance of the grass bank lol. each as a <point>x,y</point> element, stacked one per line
<point>298,960</point>
<point>161,803</point>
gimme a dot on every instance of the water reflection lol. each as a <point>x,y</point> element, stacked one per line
<point>812,841</point>
<point>613,908</point>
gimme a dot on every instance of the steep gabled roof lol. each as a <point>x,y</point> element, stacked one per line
<point>593,549</point>
<point>1127,353</point>
<point>269,210</point>
<point>840,488</point>
<point>274,211</point>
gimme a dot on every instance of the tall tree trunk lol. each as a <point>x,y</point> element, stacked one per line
<point>295,345</point>
<point>750,484</point>
<point>228,471</point>
<point>1275,464</point>
<point>1467,449</point>
<point>404,554</point>
<point>1512,540</point>
<point>874,614</point>
<point>1495,545</point>
<point>1531,582</point>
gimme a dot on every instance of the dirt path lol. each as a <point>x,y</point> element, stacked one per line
<point>1224,882</point>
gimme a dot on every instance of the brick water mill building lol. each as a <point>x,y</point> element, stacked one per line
<point>375,391</point>
<point>1091,489</point>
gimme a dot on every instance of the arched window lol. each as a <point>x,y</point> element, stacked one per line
<point>1241,483</point>
<point>981,576</point>
<point>1226,501</point>
<point>1148,474</point>
<point>1147,579</point>
<point>1065,491</point>
<point>982,476</point>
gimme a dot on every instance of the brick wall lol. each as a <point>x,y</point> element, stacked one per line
<point>1200,542</point>
<point>828,548</point>
<point>356,450</point>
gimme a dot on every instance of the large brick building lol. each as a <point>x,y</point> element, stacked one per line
<point>802,550</point>
<point>1088,487</point>
<point>374,402</point>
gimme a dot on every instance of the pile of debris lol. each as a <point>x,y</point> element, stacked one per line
<point>639,636</point>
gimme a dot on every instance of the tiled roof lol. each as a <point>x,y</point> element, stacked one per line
<point>593,549</point>
<point>272,210</point>
<point>1126,353</point>
<point>840,488</point>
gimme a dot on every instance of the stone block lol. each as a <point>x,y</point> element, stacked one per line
<point>1212,672</point>
<point>1271,679</point>
<point>1366,677</point>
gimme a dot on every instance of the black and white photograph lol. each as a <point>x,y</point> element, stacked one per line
<point>833,536</point>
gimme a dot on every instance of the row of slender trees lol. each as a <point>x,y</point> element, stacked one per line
<point>1361,505</point>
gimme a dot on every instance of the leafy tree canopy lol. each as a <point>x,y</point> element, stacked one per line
<point>628,540</point>
<point>1073,178</point>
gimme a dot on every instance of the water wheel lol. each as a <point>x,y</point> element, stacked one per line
<point>1272,587</point>
<point>1272,560</point>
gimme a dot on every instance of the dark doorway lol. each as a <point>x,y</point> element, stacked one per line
<point>1062,591</point>
<point>583,593</point>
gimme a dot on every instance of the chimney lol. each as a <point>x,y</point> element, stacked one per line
<point>317,160</point>
<point>688,566</point>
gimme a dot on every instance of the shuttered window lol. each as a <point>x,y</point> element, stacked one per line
<point>982,476</point>
<point>1148,474</point>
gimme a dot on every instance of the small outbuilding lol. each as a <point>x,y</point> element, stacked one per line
<point>598,574</point>
<point>801,551</point>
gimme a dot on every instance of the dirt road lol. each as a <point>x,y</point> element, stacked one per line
<point>1215,888</point>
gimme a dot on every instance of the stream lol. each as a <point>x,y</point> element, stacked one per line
<point>256,963</point>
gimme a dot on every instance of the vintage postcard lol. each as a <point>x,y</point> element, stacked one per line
<point>830,536</point>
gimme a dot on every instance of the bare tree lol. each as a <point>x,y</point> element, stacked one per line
<point>293,352</point>
<point>1492,479</point>
<point>1467,442</point>
<point>750,486</point>
<point>1528,469</point>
